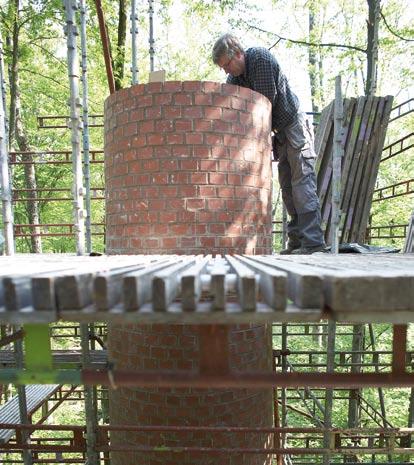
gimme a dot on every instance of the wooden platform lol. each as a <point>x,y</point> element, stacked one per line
<point>202,289</point>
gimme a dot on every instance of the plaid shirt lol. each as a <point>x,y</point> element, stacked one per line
<point>263,74</point>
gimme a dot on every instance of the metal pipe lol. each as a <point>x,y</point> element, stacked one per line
<point>337,155</point>
<point>330,366</point>
<point>105,46</point>
<point>91,419</point>
<point>5,178</point>
<point>73,74</point>
<point>21,393</point>
<point>399,348</point>
<point>134,41</point>
<point>151,33</point>
<point>85,132</point>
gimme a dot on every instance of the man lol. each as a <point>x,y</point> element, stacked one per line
<point>257,69</point>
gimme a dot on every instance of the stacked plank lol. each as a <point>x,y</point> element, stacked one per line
<point>365,121</point>
<point>198,289</point>
<point>409,240</point>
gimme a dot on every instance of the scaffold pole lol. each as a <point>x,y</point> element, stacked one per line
<point>337,154</point>
<point>5,190</point>
<point>151,33</point>
<point>85,127</point>
<point>134,41</point>
<point>75,123</point>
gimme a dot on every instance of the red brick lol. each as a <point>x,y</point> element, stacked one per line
<point>175,138</point>
<point>238,103</point>
<point>163,125</point>
<point>183,125</point>
<point>225,192</point>
<point>172,112</point>
<point>153,112</point>
<point>202,125</point>
<point>162,151</point>
<point>194,138</point>
<point>199,229</point>
<point>199,178</point>
<point>183,99</point>
<point>137,89</point>
<point>207,241</point>
<point>212,87</point>
<point>155,139</point>
<point>153,87</point>
<point>195,204</point>
<point>169,165</point>
<point>144,100</point>
<point>158,229</point>
<point>150,165</point>
<point>168,217</point>
<point>192,112</point>
<point>219,152</point>
<point>231,141</point>
<point>201,152</point>
<point>159,178</point>
<point>162,99</point>
<point>179,229</point>
<point>208,191</point>
<point>192,86</point>
<point>145,152</point>
<point>173,86</point>
<point>215,204</point>
<point>189,164</point>
<point>181,150</point>
<point>213,139</point>
<point>217,178</point>
<point>213,113</point>
<point>203,99</point>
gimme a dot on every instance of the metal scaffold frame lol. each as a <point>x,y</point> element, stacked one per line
<point>75,123</point>
<point>5,187</point>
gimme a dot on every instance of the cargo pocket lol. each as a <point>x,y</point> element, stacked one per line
<point>296,136</point>
<point>308,159</point>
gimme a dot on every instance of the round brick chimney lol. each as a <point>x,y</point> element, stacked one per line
<point>188,171</point>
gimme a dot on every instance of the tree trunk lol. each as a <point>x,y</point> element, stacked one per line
<point>372,46</point>
<point>18,135</point>
<point>314,64</point>
<point>119,63</point>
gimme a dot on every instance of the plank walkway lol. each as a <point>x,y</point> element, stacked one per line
<point>364,128</point>
<point>202,289</point>
<point>36,396</point>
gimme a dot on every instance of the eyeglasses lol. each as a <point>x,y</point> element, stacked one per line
<point>226,65</point>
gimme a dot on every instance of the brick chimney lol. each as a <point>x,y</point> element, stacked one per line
<point>188,171</point>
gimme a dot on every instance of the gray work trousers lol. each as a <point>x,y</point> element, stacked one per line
<point>297,180</point>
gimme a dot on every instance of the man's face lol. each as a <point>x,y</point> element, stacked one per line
<point>232,65</point>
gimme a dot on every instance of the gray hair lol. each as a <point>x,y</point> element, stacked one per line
<point>227,45</point>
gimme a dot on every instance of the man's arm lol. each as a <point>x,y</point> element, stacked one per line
<point>263,79</point>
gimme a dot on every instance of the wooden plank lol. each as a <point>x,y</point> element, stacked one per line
<point>377,149</point>
<point>272,283</point>
<point>137,286</point>
<point>408,245</point>
<point>166,284</point>
<point>246,284</point>
<point>349,166</point>
<point>217,284</point>
<point>107,286</point>
<point>304,283</point>
<point>359,192</point>
<point>355,169</point>
<point>191,284</point>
